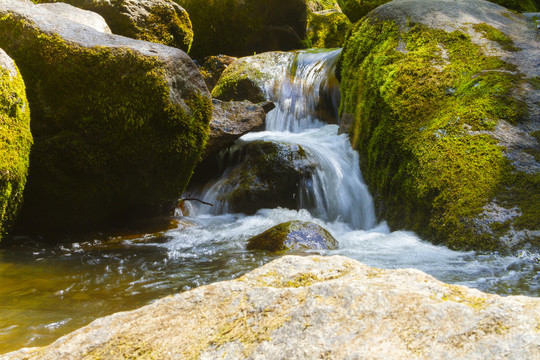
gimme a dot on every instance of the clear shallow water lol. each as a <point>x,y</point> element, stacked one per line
<point>48,291</point>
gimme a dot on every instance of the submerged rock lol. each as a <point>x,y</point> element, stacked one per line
<point>293,235</point>
<point>161,21</point>
<point>230,120</point>
<point>446,116</point>
<point>15,141</point>
<point>242,27</point>
<point>268,175</point>
<point>118,124</point>
<point>313,307</point>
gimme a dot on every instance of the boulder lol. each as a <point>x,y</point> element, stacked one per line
<point>15,141</point>
<point>230,120</point>
<point>211,68</point>
<point>311,308</point>
<point>242,27</point>
<point>445,111</point>
<point>118,124</point>
<point>321,5</point>
<point>326,29</point>
<point>293,235</point>
<point>249,77</point>
<point>161,21</point>
<point>267,176</point>
<point>84,17</point>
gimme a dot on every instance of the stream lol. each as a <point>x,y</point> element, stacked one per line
<point>49,290</point>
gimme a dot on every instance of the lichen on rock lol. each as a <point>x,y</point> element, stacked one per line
<point>443,113</point>
<point>15,141</point>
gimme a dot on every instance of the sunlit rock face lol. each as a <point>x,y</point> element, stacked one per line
<point>309,307</point>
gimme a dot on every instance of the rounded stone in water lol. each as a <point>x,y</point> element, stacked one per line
<point>293,235</point>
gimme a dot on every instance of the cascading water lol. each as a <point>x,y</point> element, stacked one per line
<point>49,291</point>
<point>304,88</point>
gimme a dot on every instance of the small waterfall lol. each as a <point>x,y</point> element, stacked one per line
<point>305,95</point>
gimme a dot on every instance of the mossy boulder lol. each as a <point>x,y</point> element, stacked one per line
<point>211,68</point>
<point>321,5</point>
<point>357,9</point>
<point>242,27</point>
<point>267,175</point>
<point>444,116</point>
<point>15,141</point>
<point>293,235</point>
<point>118,124</point>
<point>326,29</point>
<point>161,21</point>
<point>250,77</point>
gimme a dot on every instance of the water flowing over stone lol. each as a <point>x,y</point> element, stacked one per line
<point>305,91</point>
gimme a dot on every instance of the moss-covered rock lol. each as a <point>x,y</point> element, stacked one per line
<point>267,175</point>
<point>293,235</point>
<point>247,78</point>
<point>211,68</point>
<point>161,21</point>
<point>72,13</point>
<point>357,9</point>
<point>444,117</point>
<point>118,123</point>
<point>15,141</point>
<point>326,29</point>
<point>242,27</point>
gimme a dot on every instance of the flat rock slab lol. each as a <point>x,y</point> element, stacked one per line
<point>311,308</point>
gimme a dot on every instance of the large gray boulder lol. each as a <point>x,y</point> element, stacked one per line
<point>310,308</point>
<point>161,21</point>
<point>119,124</point>
<point>15,141</point>
<point>444,98</point>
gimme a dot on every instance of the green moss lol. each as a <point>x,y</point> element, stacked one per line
<point>416,112</point>
<point>357,9</point>
<point>15,143</point>
<point>164,25</point>
<point>104,127</point>
<point>519,5</point>
<point>326,29</point>
<point>496,35</point>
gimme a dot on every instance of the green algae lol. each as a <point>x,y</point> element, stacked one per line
<point>422,102</point>
<point>15,143</point>
<point>104,126</point>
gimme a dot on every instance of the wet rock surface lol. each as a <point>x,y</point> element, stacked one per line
<point>293,235</point>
